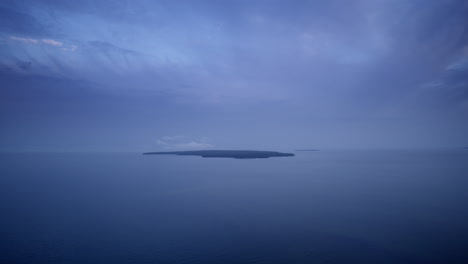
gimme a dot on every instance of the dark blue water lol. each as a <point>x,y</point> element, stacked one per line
<point>317,207</point>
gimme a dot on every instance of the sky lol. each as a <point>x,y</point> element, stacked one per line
<point>121,75</point>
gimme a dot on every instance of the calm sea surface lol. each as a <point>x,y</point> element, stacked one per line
<point>393,206</point>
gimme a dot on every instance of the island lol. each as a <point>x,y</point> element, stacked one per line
<point>236,154</point>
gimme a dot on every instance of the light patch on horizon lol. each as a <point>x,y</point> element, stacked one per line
<point>183,143</point>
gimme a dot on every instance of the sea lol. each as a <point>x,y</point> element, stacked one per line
<point>328,206</point>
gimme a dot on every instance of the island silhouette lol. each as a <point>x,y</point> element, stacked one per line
<point>236,154</point>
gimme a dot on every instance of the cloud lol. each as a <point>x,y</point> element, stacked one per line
<point>248,51</point>
<point>25,40</point>
<point>447,91</point>
<point>454,81</point>
<point>37,41</point>
<point>181,143</point>
<point>52,42</point>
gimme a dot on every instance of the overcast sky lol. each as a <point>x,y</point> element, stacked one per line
<point>123,75</point>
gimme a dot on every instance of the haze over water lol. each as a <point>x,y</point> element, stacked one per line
<point>353,206</point>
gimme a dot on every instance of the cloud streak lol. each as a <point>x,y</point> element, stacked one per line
<point>49,42</point>
<point>25,40</point>
<point>52,42</point>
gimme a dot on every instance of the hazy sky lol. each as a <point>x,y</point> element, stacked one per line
<point>124,75</point>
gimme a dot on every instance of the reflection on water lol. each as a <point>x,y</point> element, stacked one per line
<point>317,207</point>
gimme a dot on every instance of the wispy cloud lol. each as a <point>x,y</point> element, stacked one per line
<point>25,40</point>
<point>50,42</point>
